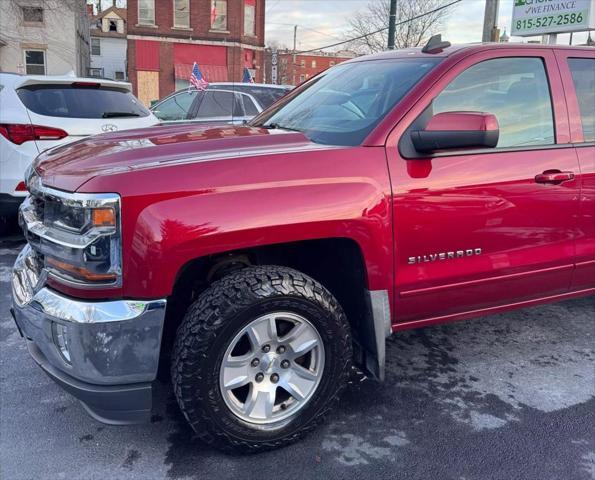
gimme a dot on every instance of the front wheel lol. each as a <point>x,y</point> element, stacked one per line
<point>260,358</point>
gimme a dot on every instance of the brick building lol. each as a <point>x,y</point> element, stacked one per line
<point>294,69</point>
<point>165,38</point>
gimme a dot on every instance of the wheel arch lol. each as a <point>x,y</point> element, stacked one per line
<point>338,263</point>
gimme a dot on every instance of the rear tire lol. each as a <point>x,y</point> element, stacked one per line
<point>291,313</point>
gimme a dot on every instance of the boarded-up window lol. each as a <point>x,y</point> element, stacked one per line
<point>147,87</point>
<point>32,14</point>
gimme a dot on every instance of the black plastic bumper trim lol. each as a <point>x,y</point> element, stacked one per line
<point>111,404</point>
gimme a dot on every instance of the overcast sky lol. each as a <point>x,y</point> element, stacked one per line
<point>325,22</point>
<point>322,22</point>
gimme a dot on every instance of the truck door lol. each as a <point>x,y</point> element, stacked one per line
<point>486,227</point>
<point>578,76</point>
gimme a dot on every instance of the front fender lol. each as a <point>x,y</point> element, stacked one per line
<point>172,215</point>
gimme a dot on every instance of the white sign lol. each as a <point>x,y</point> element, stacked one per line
<point>538,17</point>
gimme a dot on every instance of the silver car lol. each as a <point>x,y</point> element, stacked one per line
<point>219,103</point>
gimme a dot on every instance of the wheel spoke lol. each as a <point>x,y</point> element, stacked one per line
<point>300,382</point>
<point>301,339</point>
<point>262,332</point>
<point>236,372</point>
<point>260,403</point>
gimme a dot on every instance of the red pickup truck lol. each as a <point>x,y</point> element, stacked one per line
<point>257,262</point>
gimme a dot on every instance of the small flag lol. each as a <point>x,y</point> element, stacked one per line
<point>247,78</point>
<point>196,78</point>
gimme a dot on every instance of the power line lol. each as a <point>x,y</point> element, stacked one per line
<point>303,27</point>
<point>319,32</point>
<point>270,7</point>
<point>380,30</point>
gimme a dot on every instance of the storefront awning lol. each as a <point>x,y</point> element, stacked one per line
<point>212,73</point>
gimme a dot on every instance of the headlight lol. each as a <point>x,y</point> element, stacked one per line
<point>77,234</point>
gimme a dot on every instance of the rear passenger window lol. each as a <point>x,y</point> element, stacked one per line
<point>583,75</point>
<point>57,100</point>
<point>516,90</point>
<point>216,104</point>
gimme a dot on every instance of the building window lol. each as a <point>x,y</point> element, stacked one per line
<point>146,12</point>
<point>250,18</point>
<point>219,14</point>
<point>119,75</point>
<point>332,63</point>
<point>96,72</point>
<point>182,13</point>
<point>113,26</point>
<point>95,46</point>
<point>302,63</point>
<point>302,78</point>
<point>32,14</point>
<point>313,63</point>
<point>35,62</point>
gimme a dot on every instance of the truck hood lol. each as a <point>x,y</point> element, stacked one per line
<point>68,167</point>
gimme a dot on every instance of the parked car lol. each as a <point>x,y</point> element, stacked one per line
<point>39,112</point>
<point>393,191</point>
<point>220,103</point>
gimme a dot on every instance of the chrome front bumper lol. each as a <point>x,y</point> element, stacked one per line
<point>113,347</point>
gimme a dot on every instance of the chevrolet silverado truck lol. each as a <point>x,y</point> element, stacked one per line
<point>255,264</point>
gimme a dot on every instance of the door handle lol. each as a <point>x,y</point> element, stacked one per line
<point>554,177</point>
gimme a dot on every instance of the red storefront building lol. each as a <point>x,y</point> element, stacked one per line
<point>166,37</point>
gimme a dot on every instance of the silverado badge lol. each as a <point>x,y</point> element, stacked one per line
<point>433,257</point>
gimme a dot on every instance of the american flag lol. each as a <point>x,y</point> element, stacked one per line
<point>246,77</point>
<point>196,78</point>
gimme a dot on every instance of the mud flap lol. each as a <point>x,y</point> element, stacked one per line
<point>374,331</point>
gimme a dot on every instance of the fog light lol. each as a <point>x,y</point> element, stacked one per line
<point>60,334</point>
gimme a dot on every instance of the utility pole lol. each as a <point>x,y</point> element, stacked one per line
<point>392,19</point>
<point>490,19</point>
<point>294,50</point>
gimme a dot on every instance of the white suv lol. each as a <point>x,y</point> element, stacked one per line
<point>39,112</point>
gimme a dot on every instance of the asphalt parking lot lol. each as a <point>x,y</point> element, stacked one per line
<point>509,396</point>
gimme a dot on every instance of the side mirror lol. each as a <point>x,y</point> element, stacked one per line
<point>454,130</point>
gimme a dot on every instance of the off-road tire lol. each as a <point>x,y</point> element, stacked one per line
<point>218,314</point>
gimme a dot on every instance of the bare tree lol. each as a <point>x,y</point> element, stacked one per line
<point>409,34</point>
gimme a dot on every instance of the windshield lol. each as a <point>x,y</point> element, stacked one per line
<point>344,104</point>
